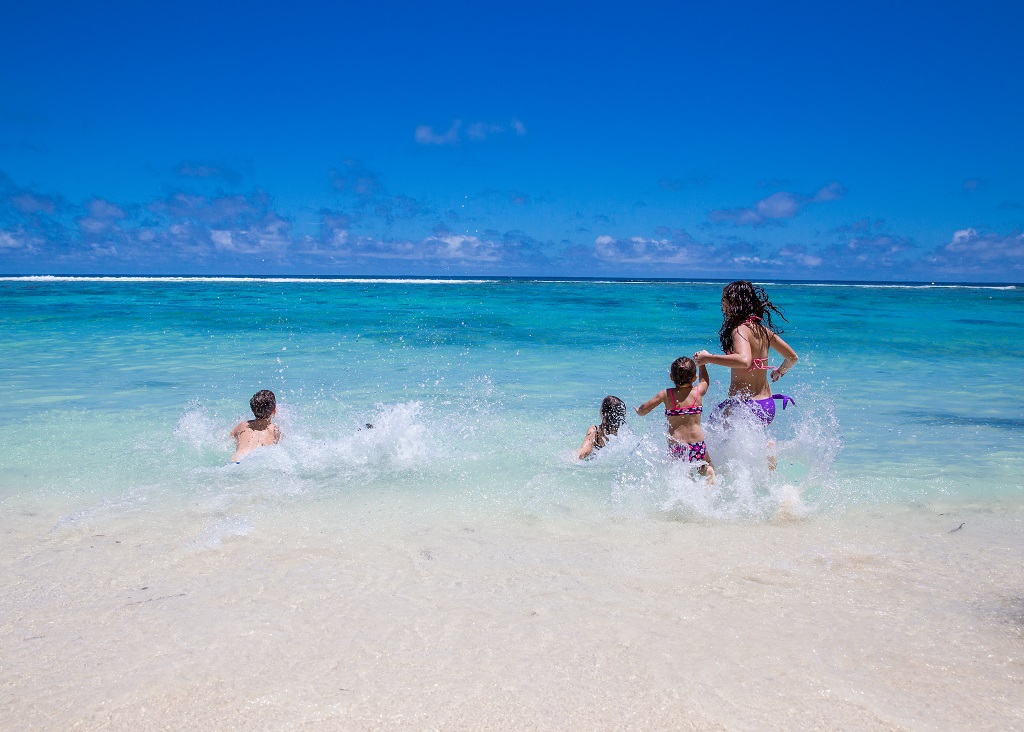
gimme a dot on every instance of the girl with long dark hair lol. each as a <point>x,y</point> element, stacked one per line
<point>746,335</point>
<point>613,416</point>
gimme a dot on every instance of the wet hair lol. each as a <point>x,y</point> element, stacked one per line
<point>741,300</point>
<point>683,371</point>
<point>613,414</point>
<point>263,404</point>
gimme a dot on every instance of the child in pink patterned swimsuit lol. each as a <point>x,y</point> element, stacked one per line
<point>682,410</point>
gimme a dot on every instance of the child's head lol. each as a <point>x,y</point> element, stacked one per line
<point>613,413</point>
<point>263,404</point>
<point>683,371</point>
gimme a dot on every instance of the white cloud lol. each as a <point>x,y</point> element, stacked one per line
<point>102,218</point>
<point>10,241</point>
<point>776,207</point>
<point>425,134</point>
<point>222,240</point>
<point>100,209</point>
<point>30,204</point>
<point>456,246</point>
<point>985,247</point>
<point>638,250</point>
<point>831,192</point>
<point>961,238</point>
<point>799,255</point>
<point>483,130</point>
<point>780,205</point>
<point>477,131</point>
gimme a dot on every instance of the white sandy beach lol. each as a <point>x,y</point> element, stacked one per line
<point>306,618</point>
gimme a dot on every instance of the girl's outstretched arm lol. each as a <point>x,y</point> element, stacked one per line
<point>705,380</point>
<point>788,355</point>
<point>651,403</point>
<point>588,442</point>
<point>741,358</point>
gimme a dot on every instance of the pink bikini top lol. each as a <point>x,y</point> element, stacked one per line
<point>677,411</point>
<point>756,364</point>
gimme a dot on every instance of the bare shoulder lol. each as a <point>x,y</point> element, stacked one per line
<point>277,433</point>
<point>239,428</point>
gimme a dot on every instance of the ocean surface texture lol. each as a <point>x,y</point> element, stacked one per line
<point>455,566</point>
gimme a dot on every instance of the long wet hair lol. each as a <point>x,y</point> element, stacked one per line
<point>613,415</point>
<point>742,300</point>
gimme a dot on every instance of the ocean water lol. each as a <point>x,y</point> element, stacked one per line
<point>455,566</point>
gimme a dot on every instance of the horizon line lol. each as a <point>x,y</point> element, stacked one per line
<point>94,277</point>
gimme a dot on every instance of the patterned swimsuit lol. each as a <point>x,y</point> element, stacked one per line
<point>691,452</point>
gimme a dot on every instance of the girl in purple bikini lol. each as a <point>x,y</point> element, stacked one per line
<point>746,335</point>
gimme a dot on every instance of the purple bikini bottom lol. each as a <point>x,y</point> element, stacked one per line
<point>763,409</point>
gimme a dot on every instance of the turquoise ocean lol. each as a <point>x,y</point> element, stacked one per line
<point>119,395</point>
<point>480,387</point>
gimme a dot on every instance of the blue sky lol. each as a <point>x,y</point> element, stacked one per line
<point>874,141</point>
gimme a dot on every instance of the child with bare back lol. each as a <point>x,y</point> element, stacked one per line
<point>613,416</point>
<point>258,432</point>
<point>683,407</point>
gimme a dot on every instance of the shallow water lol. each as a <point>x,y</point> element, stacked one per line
<point>454,566</point>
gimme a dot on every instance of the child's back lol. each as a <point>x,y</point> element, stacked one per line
<point>252,434</point>
<point>259,432</point>
<point>683,407</point>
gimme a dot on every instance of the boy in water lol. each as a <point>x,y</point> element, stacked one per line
<point>258,432</point>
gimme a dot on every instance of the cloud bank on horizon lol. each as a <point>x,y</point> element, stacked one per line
<point>624,144</point>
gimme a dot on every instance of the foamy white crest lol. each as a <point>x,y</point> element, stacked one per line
<point>815,443</point>
<point>397,438</point>
<point>197,428</point>
<point>746,484</point>
<point>897,285</point>
<point>278,280</point>
<point>482,281</point>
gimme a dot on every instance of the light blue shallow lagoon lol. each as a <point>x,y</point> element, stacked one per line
<point>455,566</point>
<point>479,390</point>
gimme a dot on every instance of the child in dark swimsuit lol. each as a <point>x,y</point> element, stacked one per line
<point>613,416</point>
<point>683,407</point>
